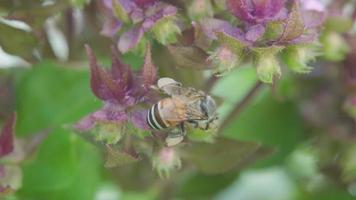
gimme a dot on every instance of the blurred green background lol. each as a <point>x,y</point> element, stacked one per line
<point>302,119</point>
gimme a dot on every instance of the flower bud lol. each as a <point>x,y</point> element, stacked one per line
<point>198,9</point>
<point>335,47</point>
<point>109,133</point>
<point>165,30</point>
<point>224,59</point>
<point>267,65</point>
<point>166,160</point>
<point>298,57</point>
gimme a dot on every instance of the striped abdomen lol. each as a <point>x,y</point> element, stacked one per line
<point>154,119</point>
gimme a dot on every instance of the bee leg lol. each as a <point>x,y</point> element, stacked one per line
<point>176,136</point>
<point>182,128</point>
<point>194,123</point>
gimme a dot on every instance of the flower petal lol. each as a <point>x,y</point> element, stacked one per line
<point>160,12</point>
<point>130,39</point>
<point>240,8</point>
<point>255,32</point>
<point>85,124</point>
<point>138,119</point>
<point>109,113</point>
<point>144,3</point>
<point>256,11</point>
<point>313,13</point>
<point>111,27</point>
<point>210,26</point>
<point>7,136</point>
<point>267,8</point>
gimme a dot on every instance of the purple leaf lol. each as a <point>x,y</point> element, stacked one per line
<point>149,71</point>
<point>7,136</point>
<point>120,72</point>
<point>130,39</point>
<point>111,84</point>
<point>96,77</point>
<point>294,27</point>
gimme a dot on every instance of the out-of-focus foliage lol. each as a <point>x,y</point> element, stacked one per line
<point>292,139</point>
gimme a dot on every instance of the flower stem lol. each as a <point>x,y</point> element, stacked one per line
<point>241,105</point>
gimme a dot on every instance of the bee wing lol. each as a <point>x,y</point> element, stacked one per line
<point>192,107</point>
<point>169,86</point>
<point>180,108</point>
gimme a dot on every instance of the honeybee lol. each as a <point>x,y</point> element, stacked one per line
<point>184,105</point>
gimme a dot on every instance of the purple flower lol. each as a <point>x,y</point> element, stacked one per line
<point>120,89</point>
<point>144,3</point>
<point>255,14</point>
<point>267,26</point>
<point>141,16</point>
<point>257,11</point>
<point>313,13</point>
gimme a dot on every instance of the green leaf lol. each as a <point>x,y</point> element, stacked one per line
<point>270,122</point>
<point>196,187</point>
<point>66,168</point>
<point>234,44</point>
<point>50,96</point>
<point>120,11</point>
<point>223,155</point>
<point>18,42</point>
<point>55,165</point>
<point>242,80</point>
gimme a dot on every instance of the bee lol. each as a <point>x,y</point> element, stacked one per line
<point>184,105</point>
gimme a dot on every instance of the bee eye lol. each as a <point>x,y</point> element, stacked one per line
<point>210,105</point>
